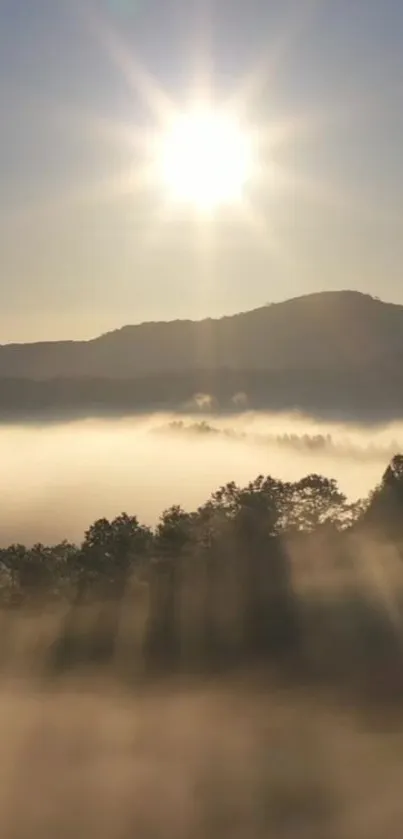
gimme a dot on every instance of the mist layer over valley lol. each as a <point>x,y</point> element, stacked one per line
<point>58,478</point>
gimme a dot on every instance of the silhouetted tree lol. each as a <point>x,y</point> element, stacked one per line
<point>385,508</point>
<point>218,579</point>
<point>112,549</point>
<point>316,501</point>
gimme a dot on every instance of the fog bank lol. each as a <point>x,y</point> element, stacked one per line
<point>56,479</point>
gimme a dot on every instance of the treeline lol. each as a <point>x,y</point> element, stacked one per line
<point>211,586</point>
<point>304,443</point>
<point>267,511</point>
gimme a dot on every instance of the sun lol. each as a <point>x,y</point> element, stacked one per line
<point>206,159</point>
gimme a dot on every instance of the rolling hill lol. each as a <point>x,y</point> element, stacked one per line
<point>337,351</point>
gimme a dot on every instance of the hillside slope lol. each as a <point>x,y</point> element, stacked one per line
<point>326,331</point>
<point>335,354</point>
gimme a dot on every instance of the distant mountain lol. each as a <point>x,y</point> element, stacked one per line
<point>324,330</point>
<point>331,350</point>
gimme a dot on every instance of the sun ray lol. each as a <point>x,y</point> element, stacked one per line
<point>194,171</point>
<point>87,194</point>
<point>274,53</point>
<point>98,127</point>
<point>201,55</point>
<point>152,95</point>
<point>329,195</point>
<point>312,123</point>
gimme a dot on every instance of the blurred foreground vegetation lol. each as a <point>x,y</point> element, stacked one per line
<point>263,588</point>
<point>289,575</point>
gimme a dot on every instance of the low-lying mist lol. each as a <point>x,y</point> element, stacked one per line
<point>56,479</point>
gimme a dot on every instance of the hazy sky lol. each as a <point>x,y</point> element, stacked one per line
<point>83,250</point>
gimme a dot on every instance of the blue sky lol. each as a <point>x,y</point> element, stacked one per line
<point>76,260</point>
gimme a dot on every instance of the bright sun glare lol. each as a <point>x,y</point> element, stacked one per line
<point>206,155</point>
<point>206,159</point>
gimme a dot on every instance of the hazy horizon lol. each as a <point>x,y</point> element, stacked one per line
<point>87,245</point>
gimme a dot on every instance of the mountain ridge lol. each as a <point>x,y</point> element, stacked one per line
<point>329,352</point>
<point>347,294</point>
<point>325,329</point>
